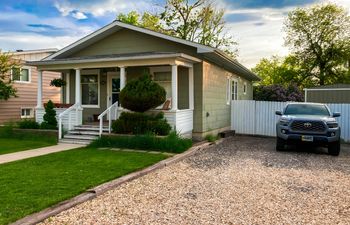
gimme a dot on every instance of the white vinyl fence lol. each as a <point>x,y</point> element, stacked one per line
<point>259,118</point>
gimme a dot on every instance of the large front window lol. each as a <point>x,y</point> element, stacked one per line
<point>89,90</point>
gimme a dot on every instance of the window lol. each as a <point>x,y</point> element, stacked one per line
<point>89,90</point>
<point>234,90</point>
<point>245,88</point>
<point>20,74</point>
<point>27,113</point>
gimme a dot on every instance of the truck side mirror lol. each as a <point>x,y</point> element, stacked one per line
<point>279,113</point>
<point>336,114</point>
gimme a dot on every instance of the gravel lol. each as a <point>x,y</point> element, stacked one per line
<point>240,181</point>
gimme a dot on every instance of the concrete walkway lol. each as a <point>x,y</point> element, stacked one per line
<point>37,152</point>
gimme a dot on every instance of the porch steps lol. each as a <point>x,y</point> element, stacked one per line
<point>83,134</point>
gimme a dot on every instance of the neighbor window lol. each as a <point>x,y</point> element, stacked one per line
<point>27,113</point>
<point>245,88</point>
<point>234,89</point>
<point>89,90</point>
<point>20,74</point>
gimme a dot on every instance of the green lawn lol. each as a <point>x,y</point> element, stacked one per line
<point>31,185</point>
<point>9,145</point>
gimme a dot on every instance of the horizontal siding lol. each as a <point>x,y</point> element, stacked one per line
<point>10,110</point>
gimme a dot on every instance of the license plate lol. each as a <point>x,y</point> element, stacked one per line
<point>307,138</point>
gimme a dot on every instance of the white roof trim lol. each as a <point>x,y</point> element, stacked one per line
<point>47,62</point>
<point>21,52</point>
<point>200,48</point>
<point>327,89</point>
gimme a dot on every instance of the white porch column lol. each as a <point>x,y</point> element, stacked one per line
<point>68,88</point>
<point>173,87</point>
<point>77,87</point>
<point>122,77</point>
<point>39,99</point>
<point>191,88</point>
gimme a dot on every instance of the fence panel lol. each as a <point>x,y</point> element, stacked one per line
<point>258,117</point>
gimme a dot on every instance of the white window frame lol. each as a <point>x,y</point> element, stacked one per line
<point>29,75</point>
<point>234,93</point>
<point>31,114</point>
<point>228,90</point>
<point>87,73</point>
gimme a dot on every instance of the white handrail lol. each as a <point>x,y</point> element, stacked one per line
<point>109,111</point>
<point>65,112</point>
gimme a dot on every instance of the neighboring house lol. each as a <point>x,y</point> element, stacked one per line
<point>25,81</point>
<point>337,93</point>
<point>200,81</point>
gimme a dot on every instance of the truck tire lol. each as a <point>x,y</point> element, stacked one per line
<point>334,148</point>
<point>280,143</point>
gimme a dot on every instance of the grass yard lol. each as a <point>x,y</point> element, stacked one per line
<point>9,145</point>
<point>34,184</point>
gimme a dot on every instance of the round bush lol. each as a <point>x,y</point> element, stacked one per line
<point>142,94</point>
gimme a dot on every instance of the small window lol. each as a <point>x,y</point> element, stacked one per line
<point>20,74</point>
<point>234,90</point>
<point>27,113</point>
<point>245,88</point>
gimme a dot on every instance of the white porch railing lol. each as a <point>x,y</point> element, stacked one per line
<point>70,113</point>
<point>109,110</point>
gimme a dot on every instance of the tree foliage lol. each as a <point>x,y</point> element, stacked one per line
<point>277,92</point>
<point>198,21</point>
<point>283,70</point>
<point>320,37</point>
<point>6,64</point>
<point>142,94</point>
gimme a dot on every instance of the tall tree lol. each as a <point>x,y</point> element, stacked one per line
<point>197,21</point>
<point>283,71</point>
<point>6,64</point>
<point>320,37</point>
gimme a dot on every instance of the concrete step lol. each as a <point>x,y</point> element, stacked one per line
<point>80,137</point>
<point>74,141</point>
<point>89,128</point>
<point>83,132</point>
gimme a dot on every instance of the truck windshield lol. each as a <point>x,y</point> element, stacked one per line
<point>304,109</point>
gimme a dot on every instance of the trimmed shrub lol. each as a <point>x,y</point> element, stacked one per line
<point>50,121</point>
<point>141,123</point>
<point>28,124</point>
<point>278,93</point>
<point>142,94</point>
<point>172,143</point>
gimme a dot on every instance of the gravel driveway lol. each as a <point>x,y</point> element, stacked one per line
<point>240,181</point>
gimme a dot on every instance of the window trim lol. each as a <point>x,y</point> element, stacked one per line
<point>231,89</point>
<point>245,87</point>
<point>31,114</point>
<point>86,73</point>
<point>29,75</point>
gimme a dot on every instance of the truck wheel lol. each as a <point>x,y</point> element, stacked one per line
<point>334,148</point>
<point>280,143</point>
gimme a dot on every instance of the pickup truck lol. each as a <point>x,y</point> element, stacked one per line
<point>308,123</point>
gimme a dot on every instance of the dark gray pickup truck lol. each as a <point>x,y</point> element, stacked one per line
<point>308,123</point>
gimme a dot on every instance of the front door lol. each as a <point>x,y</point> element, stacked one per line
<point>113,89</point>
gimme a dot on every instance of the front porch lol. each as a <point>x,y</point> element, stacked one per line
<point>92,91</point>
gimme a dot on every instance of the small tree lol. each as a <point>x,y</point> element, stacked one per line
<point>50,121</point>
<point>142,94</point>
<point>6,64</point>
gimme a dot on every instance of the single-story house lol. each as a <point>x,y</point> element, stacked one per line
<point>200,81</point>
<point>336,93</point>
<point>25,79</point>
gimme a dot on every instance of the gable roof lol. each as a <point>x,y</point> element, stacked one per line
<point>212,54</point>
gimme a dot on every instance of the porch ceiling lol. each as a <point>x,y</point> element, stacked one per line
<point>129,59</point>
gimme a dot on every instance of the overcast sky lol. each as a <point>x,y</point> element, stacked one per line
<point>255,24</point>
